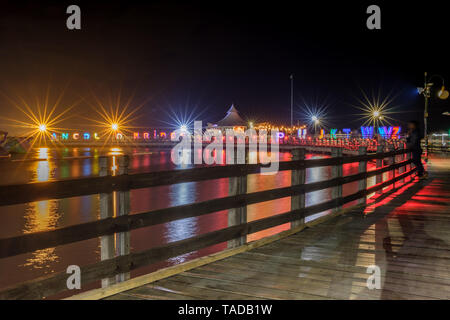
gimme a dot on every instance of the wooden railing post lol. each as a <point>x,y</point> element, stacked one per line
<point>123,198</point>
<point>298,177</point>
<point>362,167</point>
<point>392,160</point>
<point>336,172</point>
<point>106,211</point>
<point>401,158</point>
<point>408,167</point>
<point>237,185</point>
<point>379,164</point>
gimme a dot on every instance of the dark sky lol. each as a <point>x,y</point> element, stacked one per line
<point>203,56</point>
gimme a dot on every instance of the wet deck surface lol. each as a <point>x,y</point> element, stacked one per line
<point>406,234</point>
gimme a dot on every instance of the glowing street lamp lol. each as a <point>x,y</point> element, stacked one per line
<point>42,127</point>
<point>443,94</point>
<point>426,92</point>
<point>115,126</point>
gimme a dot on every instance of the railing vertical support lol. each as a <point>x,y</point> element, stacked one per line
<point>401,158</point>
<point>362,168</point>
<point>298,177</point>
<point>392,161</point>
<point>123,238</point>
<point>408,167</point>
<point>336,172</point>
<point>237,185</point>
<point>106,211</point>
<point>379,164</point>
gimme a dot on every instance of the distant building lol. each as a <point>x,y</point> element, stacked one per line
<point>231,121</point>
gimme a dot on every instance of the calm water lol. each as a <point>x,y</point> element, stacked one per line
<point>46,164</point>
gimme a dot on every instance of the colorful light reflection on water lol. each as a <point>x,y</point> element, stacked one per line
<point>78,162</point>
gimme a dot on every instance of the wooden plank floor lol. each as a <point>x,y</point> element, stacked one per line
<point>407,235</point>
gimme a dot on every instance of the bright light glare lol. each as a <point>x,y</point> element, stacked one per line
<point>115,126</point>
<point>183,127</point>
<point>376,108</point>
<point>42,127</point>
<point>314,113</point>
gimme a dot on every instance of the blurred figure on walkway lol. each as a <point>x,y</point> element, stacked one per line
<point>413,143</point>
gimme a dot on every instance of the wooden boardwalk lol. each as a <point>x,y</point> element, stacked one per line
<point>406,234</point>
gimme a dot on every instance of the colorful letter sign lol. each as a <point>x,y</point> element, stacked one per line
<point>333,133</point>
<point>347,132</point>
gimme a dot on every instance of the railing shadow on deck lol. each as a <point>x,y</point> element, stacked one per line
<point>386,204</point>
<point>235,234</point>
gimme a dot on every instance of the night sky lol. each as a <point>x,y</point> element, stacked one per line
<point>203,56</point>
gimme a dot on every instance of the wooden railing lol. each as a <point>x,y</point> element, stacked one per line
<point>235,234</point>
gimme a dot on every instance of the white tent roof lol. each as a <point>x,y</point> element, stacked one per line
<point>232,119</point>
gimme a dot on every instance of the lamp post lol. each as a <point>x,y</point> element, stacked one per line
<point>426,91</point>
<point>292,99</point>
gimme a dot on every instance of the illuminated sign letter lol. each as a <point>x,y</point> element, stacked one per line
<point>54,136</point>
<point>162,134</point>
<point>96,137</point>
<point>333,133</point>
<point>385,132</point>
<point>367,132</point>
<point>396,132</point>
<point>76,136</point>
<point>86,136</point>
<point>136,135</point>
<point>119,136</point>
<point>347,132</point>
<point>65,136</point>
<point>302,133</point>
<point>146,135</point>
<point>322,134</point>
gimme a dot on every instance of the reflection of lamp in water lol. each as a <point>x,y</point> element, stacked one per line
<point>43,153</point>
<point>43,171</point>
<point>114,166</point>
<point>42,216</point>
<point>43,166</point>
<point>116,151</point>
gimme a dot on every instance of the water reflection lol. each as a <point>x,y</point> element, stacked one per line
<point>47,215</point>
<point>180,194</point>
<point>42,216</point>
<point>43,169</point>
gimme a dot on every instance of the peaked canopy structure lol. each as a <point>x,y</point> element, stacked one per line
<point>232,119</point>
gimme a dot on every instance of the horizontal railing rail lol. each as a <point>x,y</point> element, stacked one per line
<point>41,240</point>
<point>37,191</point>
<point>56,283</point>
